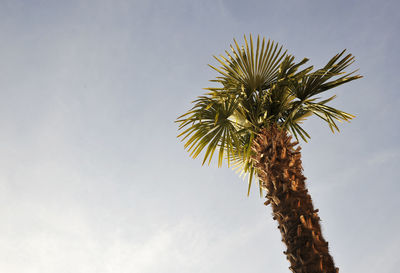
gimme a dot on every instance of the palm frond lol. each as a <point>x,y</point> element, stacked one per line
<point>248,67</point>
<point>207,126</point>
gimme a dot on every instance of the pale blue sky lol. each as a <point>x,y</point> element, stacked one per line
<point>93,179</point>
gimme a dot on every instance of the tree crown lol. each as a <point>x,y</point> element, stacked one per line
<point>260,85</point>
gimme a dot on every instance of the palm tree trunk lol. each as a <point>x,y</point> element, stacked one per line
<point>279,169</point>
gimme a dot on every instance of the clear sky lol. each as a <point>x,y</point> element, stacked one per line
<point>93,179</point>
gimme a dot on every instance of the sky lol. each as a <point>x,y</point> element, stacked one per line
<point>93,178</point>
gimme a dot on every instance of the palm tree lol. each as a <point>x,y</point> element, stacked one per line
<point>251,120</point>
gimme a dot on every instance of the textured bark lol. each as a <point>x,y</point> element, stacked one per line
<point>279,168</point>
